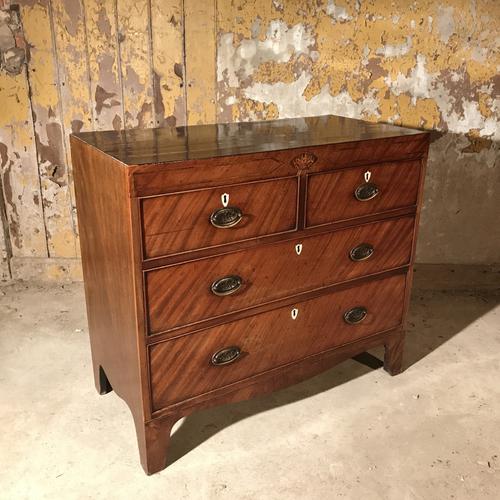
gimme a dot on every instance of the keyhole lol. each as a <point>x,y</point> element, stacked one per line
<point>294,313</point>
<point>298,248</point>
<point>225,199</point>
<point>368,175</point>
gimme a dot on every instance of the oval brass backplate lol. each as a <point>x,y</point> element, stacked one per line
<point>226,285</point>
<point>226,356</point>
<point>226,217</point>
<point>366,191</point>
<point>355,315</point>
<point>361,252</point>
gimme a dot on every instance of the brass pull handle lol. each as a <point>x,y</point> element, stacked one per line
<point>366,191</point>
<point>226,356</point>
<point>361,252</point>
<point>227,285</point>
<point>355,315</point>
<point>226,217</point>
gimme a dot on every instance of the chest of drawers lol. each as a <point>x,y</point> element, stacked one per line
<point>226,261</point>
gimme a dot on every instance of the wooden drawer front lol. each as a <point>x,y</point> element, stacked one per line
<point>182,368</point>
<point>331,196</point>
<point>181,295</point>
<point>181,222</point>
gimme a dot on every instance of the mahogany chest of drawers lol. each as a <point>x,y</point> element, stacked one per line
<point>225,261</point>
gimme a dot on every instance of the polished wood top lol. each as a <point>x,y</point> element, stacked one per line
<point>169,144</point>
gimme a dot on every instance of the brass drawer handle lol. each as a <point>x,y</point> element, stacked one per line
<point>366,191</point>
<point>226,217</point>
<point>227,285</point>
<point>355,315</point>
<point>226,356</point>
<point>361,252</point>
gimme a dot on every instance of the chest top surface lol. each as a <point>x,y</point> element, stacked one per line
<point>171,144</point>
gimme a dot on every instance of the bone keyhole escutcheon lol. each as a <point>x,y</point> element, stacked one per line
<point>298,248</point>
<point>294,313</point>
<point>368,175</point>
<point>225,200</point>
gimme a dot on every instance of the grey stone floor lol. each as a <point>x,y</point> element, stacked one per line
<point>353,432</point>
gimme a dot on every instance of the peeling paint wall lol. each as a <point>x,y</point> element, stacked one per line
<point>71,65</point>
<point>67,66</point>
<point>425,64</point>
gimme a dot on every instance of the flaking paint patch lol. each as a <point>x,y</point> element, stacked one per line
<point>427,65</point>
<point>167,26</point>
<point>337,12</point>
<point>422,64</point>
<point>200,78</point>
<point>135,57</point>
<point>279,44</point>
<point>290,101</point>
<point>277,57</point>
<point>19,171</point>
<point>445,23</point>
<point>12,44</point>
<point>68,26</point>
<point>103,60</point>
<point>44,81</point>
<point>382,52</point>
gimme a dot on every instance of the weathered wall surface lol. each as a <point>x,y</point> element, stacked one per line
<point>70,65</point>
<point>426,64</point>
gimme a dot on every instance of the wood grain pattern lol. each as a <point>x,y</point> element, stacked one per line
<point>393,360</point>
<point>172,144</point>
<point>330,196</point>
<point>181,222</point>
<point>181,368</point>
<point>109,275</point>
<point>180,294</point>
<point>194,173</point>
<point>158,430</point>
<point>207,173</point>
<point>160,213</point>
<point>168,260</point>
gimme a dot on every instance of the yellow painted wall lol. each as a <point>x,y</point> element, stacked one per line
<point>426,64</point>
<point>102,64</point>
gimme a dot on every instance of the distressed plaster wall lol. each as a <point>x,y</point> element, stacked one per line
<point>426,64</point>
<point>70,65</point>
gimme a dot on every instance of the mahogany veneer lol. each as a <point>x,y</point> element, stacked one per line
<point>226,261</point>
<point>272,272</point>
<point>176,223</point>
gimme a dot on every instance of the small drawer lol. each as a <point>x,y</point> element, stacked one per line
<point>216,286</point>
<point>204,361</point>
<point>180,222</point>
<point>354,192</point>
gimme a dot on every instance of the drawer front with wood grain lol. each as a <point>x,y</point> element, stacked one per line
<point>355,192</point>
<point>207,360</point>
<point>204,218</point>
<point>188,293</point>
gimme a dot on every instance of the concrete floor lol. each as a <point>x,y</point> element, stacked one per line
<point>353,432</point>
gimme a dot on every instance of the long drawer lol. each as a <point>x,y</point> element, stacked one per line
<point>188,293</point>
<point>195,364</point>
<point>204,218</point>
<point>355,192</point>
